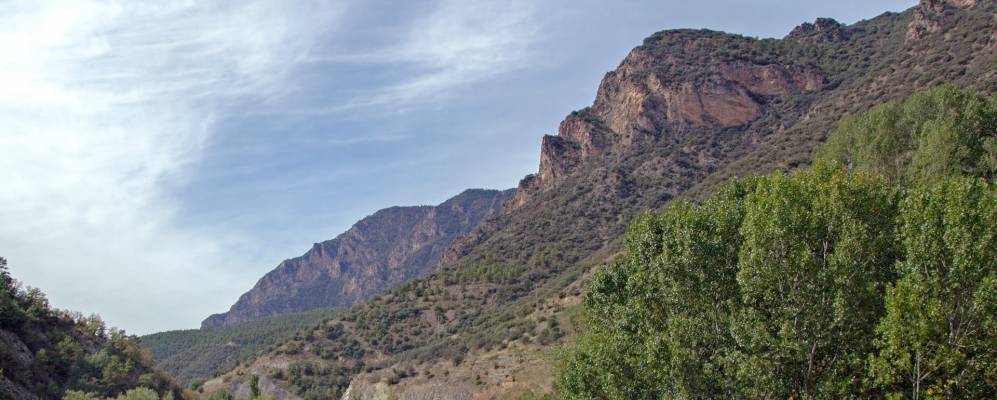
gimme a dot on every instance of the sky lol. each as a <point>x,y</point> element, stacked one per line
<point>157,158</point>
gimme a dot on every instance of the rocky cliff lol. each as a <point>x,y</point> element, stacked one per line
<point>391,246</point>
<point>667,87</point>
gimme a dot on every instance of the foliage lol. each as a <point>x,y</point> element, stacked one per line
<point>52,353</point>
<point>941,132</point>
<point>778,289</point>
<point>940,327</point>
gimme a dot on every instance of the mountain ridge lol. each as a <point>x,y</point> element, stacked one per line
<point>389,247</point>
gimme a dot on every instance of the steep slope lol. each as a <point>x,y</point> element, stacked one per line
<point>684,111</point>
<point>390,247</point>
<point>46,353</point>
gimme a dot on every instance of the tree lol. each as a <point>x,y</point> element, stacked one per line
<point>771,288</point>
<point>658,321</point>
<point>254,387</point>
<point>945,131</point>
<point>818,250</point>
<point>11,315</point>
<point>939,331</point>
<point>6,282</point>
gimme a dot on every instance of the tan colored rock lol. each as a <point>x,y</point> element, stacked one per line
<point>721,104</point>
<point>773,79</point>
<point>558,157</point>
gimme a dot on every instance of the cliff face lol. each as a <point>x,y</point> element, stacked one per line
<point>671,85</point>
<point>390,247</point>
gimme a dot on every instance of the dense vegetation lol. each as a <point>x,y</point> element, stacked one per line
<point>197,354</point>
<point>940,132</point>
<point>876,279</point>
<point>47,353</point>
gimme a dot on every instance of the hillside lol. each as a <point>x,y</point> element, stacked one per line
<point>391,246</point>
<point>47,353</point>
<point>194,355</point>
<point>683,113</point>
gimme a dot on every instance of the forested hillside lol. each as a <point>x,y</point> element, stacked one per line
<point>193,355</point>
<point>48,354</point>
<point>872,274</point>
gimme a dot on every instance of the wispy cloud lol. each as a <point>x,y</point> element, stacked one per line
<point>463,42</point>
<point>104,106</point>
<point>455,44</point>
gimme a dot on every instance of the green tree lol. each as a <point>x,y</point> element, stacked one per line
<point>254,387</point>
<point>6,281</point>
<point>658,321</point>
<point>818,250</point>
<point>937,339</point>
<point>945,131</point>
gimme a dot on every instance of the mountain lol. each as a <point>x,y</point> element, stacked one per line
<point>391,246</point>
<point>47,353</point>
<point>684,112</point>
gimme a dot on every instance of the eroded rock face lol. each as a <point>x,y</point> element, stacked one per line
<point>385,249</point>
<point>659,90</point>
<point>558,156</point>
<point>933,16</point>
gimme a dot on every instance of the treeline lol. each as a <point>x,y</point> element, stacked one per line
<point>50,354</point>
<point>871,274</point>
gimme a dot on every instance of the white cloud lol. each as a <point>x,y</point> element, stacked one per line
<point>465,41</point>
<point>458,43</point>
<point>103,106</point>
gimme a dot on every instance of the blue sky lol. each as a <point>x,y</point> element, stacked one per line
<point>158,158</point>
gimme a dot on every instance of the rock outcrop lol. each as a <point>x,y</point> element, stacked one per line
<point>668,86</point>
<point>821,30</point>
<point>933,16</point>
<point>383,250</point>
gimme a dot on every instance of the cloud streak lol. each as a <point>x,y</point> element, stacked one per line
<point>455,44</point>
<point>105,106</point>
